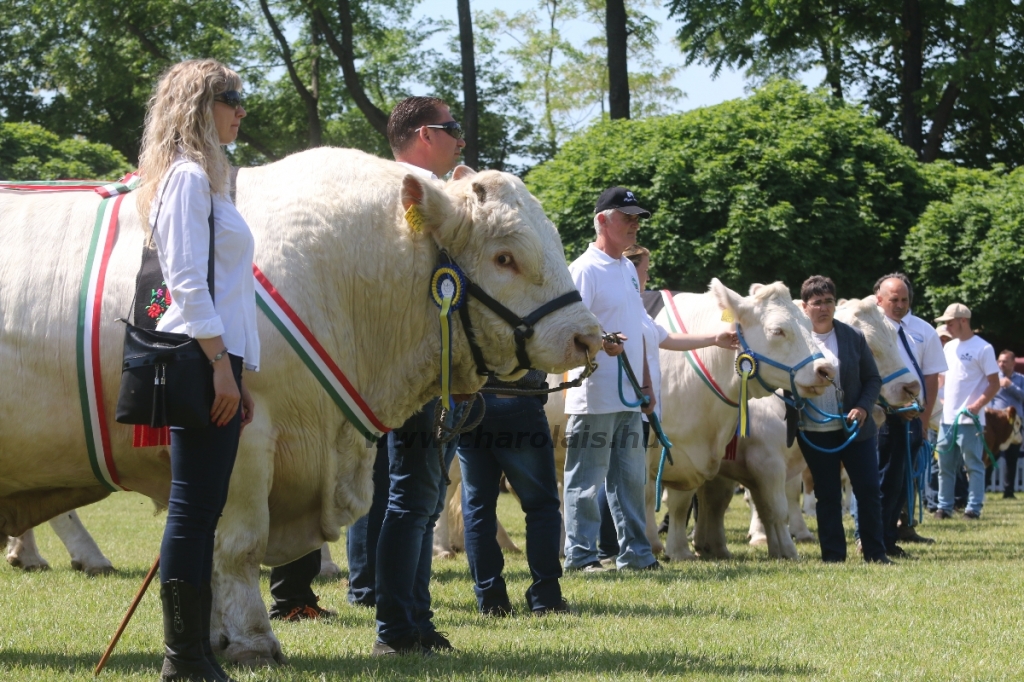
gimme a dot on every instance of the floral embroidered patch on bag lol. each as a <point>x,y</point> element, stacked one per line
<point>159,302</point>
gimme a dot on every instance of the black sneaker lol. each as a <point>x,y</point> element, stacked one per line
<point>884,560</point>
<point>941,515</point>
<point>897,552</point>
<point>1009,496</point>
<point>656,566</point>
<point>305,612</point>
<point>436,641</point>
<point>592,567</point>
<point>561,607</point>
<point>972,515</point>
<point>409,644</point>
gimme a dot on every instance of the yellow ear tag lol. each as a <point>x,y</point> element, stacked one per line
<point>727,316</point>
<point>414,218</point>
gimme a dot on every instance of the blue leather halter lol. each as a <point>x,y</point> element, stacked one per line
<point>749,355</point>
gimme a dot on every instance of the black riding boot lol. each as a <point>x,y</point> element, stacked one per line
<point>184,659</point>
<point>206,597</point>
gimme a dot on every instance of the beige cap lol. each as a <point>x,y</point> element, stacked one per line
<point>941,330</point>
<point>953,311</point>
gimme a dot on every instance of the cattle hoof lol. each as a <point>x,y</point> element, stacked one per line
<point>758,540</point>
<point>96,571</point>
<point>330,570</point>
<point>444,554</point>
<point>261,661</point>
<point>804,538</point>
<point>31,568</point>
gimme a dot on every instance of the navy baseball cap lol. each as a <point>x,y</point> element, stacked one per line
<point>620,199</point>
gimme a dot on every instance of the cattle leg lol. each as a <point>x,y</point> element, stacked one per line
<point>651,529</point>
<point>85,553</point>
<point>240,625</point>
<point>755,534</point>
<point>328,569</point>
<point>677,545</point>
<point>797,526</point>
<point>22,552</point>
<point>443,529</point>
<point>770,499</point>
<point>810,502</point>
<point>709,533</point>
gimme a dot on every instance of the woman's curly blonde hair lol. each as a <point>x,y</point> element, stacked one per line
<point>180,120</point>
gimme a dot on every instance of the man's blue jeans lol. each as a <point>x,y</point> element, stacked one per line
<point>605,449</point>
<point>966,449</point>
<point>406,545</point>
<point>362,536</point>
<point>513,438</point>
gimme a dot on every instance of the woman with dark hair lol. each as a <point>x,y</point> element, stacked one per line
<point>824,445</point>
<point>195,110</point>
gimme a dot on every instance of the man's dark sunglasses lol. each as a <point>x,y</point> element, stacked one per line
<point>451,127</point>
<point>232,98</point>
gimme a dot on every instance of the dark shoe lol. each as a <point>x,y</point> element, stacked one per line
<point>306,612</point>
<point>896,552</point>
<point>909,534</point>
<point>409,644</point>
<point>184,658</point>
<point>884,560</point>
<point>436,641</point>
<point>592,567</point>
<point>651,567</point>
<point>206,601</point>
<point>1009,496</point>
<point>972,515</point>
<point>561,607</point>
<point>941,515</point>
<point>503,610</point>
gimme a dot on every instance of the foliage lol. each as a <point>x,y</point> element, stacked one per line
<point>750,618</point>
<point>30,152</point>
<point>969,248</point>
<point>956,68</point>
<point>780,186</point>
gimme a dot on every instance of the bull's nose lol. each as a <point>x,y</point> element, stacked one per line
<point>588,343</point>
<point>912,389</point>
<point>824,370</point>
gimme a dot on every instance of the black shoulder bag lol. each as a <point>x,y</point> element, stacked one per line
<point>166,378</point>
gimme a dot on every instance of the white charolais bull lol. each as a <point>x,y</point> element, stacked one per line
<point>22,551</point>
<point>697,422</point>
<point>330,234</point>
<point>900,387</point>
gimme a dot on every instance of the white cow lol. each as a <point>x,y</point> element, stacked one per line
<point>23,552</point>
<point>699,424</point>
<point>330,234</point>
<point>767,467</point>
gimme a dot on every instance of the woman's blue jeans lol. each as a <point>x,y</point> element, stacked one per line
<point>513,438</point>
<point>201,463</point>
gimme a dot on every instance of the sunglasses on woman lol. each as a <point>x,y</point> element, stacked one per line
<point>451,127</point>
<point>232,98</point>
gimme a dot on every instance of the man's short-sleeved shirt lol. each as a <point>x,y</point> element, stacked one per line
<point>926,344</point>
<point>970,362</point>
<point>610,288</point>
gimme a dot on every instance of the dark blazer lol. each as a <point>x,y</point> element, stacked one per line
<point>858,377</point>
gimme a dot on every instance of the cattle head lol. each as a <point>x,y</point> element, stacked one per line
<point>496,231</point>
<point>865,315</point>
<point>774,328</point>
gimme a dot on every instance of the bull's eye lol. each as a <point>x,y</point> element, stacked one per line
<point>776,332</point>
<point>505,260</point>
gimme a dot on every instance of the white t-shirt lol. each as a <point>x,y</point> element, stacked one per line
<point>654,334</point>
<point>610,288</point>
<point>925,343</point>
<point>970,362</point>
<point>182,235</point>
<point>828,401</point>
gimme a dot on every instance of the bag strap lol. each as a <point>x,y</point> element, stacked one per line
<point>145,249</point>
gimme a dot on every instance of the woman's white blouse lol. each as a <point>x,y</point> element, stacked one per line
<point>182,235</point>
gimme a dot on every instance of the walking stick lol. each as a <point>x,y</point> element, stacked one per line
<point>128,616</point>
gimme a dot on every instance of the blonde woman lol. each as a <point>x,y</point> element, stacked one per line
<point>196,109</point>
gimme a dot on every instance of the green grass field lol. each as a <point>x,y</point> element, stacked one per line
<point>954,612</point>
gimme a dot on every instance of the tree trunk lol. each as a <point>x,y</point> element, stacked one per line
<point>940,121</point>
<point>471,112</point>
<point>618,72</point>
<point>310,99</point>
<point>345,53</point>
<point>913,74</point>
<point>313,114</point>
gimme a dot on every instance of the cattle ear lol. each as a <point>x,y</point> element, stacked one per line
<point>728,300</point>
<point>426,206</point>
<point>841,302</point>
<point>754,288</point>
<point>462,171</point>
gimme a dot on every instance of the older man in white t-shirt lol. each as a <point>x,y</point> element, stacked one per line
<point>970,384</point>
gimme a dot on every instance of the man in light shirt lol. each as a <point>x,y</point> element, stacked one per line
<point>921,351</point>
<point>970,384</point>
<point>1011,394</point>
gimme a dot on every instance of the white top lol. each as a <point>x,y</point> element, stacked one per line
<point>828,401</point>
<point>970,362</point>
<point>925,342</point>
<point>422,172</point>
<point>611,290</point>
<point>654,334</point>
<point>182,236</point>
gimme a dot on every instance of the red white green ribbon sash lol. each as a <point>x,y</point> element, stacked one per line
<point>675,323</point>
<point>316,359</point>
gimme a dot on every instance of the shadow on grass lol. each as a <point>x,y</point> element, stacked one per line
<point>471,664</point>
